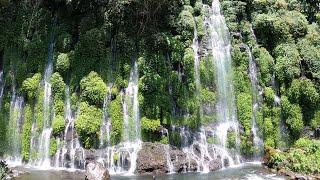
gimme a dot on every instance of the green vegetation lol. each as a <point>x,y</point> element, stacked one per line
<point>149,127</point>
<point>95,47</point>
<point>93,89</point>
<point>88,124</point>
<point>53,147</point>
<point>303,157</point>
<point>58,125</point>
<point>26,136</point>
<point>115,111</point>
<point>30,86</point>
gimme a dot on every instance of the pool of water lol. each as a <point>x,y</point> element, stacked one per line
<point>250,171</point>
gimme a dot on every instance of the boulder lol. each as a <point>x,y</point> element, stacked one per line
<point>152,158</point>
<point>179,160</point>
<point>96,171</point>
<point>215,165</point>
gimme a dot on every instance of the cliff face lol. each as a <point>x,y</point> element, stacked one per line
<point>68,78</point>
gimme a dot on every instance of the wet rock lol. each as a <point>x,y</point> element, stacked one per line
<point>196,149</point>
<point>90,155</point>
<point>152,159</point>
<point>192,166</point>
<point>179,161</point>
<point>95,171</point>
<point>124,158</point>
<point>236,35</point>
<point>308,132</point>
<point>79,158</point>
<point>215,165</point>
<point>67,156</point>
<point>226,162</point>
<point>10,173</point>
<point>209,109</point>
<point>317,132</point>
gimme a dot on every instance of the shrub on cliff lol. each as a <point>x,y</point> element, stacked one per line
<point>303,157</point>
<point>93,89</point>
<point>88,124</point>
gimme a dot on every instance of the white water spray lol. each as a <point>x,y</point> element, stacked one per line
<point>256,100</point>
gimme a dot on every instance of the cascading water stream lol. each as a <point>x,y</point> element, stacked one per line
<point>106,150</point>
<point>202,157</point>
<point>225,107</point>
<point>256,101</point>
<point>200,151</point>
<point>105,129</point>
<point>15,128</point>
<point>131,121</point>
<point>70,154</point>
<point>40,144</point>
<point>165,133</point>
<point>132,129</point>
<point>121,159</point>
<point>2,84</point>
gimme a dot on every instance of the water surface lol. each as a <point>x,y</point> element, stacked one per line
<point>246,171</point>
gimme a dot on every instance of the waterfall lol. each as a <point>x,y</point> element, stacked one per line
<point>225,106</point>
<point>44,146</point>
<point>105,129</point>
<point>15,128</point>
<point>131,119</point>
<point>195,48</point>
<point>274,87</point>
<point>256,102</point>
<point>165,133</point>
<point>41,143</point>
<point>200,151</point>
<point>71,154</point>
<point>2,83</point>
<point>121,159</point>
<point>132,130</point>
<point>168,158</point>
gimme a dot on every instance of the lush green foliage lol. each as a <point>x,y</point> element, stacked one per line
<point>57,86</point>
<point>30,86</point>
<point>315,122</point>
<point>63,62</point>
<point>58,125</point>
<point>88,124</point>
<point>302,158</point>
<point>53,147</point>
<point>293,116</point>
<point>96,42</point>
<point>26,136</point>
<point>93,89</point>
<point>116,114</point>
<point>149,125</point>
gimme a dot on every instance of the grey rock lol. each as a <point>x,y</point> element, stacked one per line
<point>95,171</point>
<point>152,159</point>
<point>215,165</point>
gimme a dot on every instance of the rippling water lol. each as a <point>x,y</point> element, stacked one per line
<point>250,171</point>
